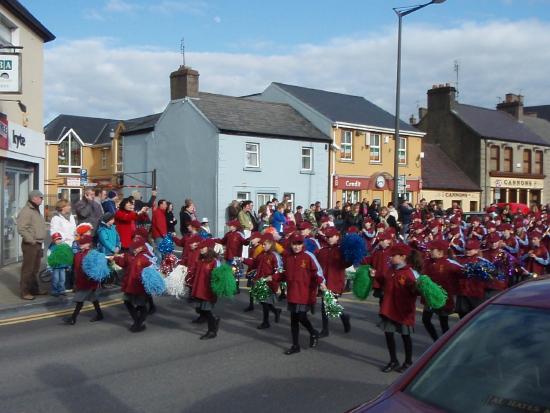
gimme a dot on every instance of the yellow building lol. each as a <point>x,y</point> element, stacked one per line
<point>362,152</point>
<point>81,152</point>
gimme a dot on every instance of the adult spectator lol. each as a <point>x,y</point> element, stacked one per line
<point>100,195</point>
<point>125,220</point>
<point>159,227</point>
<point>63,222</point>
<point>298,217</point>
<point>139,204</point>
<point>187,215</point>
<point>233,210</point>
<point>365,207</point>
<point>109,204</point>
<point>354,218</point>
<point>373,211</point>
<point>171,220</point>
<point>405,212</point>
<point>279,220</point>
<point>245,217</point>
<point>392,211</point>
<point>88,210</point>
<point>32,229</point>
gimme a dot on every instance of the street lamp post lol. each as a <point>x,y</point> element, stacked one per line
<point>401,12</point>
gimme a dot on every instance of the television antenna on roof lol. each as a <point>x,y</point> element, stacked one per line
<point>457,69</point>
<point>182,50</point>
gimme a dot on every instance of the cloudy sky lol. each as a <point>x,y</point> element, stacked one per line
<point>112,58</point>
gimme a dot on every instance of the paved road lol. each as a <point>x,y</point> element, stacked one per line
<point>101,368</point>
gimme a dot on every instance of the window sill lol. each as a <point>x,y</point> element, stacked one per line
<point>305,172</point>
<point>347,160</point>
<point>375,162</point>
<point>252,169</point>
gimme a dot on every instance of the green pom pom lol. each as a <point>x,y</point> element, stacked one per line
<point>61,256</point>
<point>362,282</point>
<point>434,295</point>
<point>223,282</point>
<point>333,308</point>
<point>260,291</point>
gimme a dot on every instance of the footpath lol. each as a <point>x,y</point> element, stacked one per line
<point>14,310</point>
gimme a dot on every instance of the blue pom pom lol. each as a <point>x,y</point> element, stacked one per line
<point>482,270</point>
<point>95,266</point>
<point>153,282</point>
<point>166,246</point>
<point>353,248</point>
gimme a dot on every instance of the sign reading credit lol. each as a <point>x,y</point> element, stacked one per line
<point>10,73</point>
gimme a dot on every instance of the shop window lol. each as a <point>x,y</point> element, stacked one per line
<point>289,196</point>
<point>69,155</point>
<point>512,195</point>
<point>473,206</point>
<point>252,155</point>
<point>402,150</point>
<point>374,145</point>
<point>539,159</point>
<point>104,157</point>
<point>526,161</point>
<point>494,158</point>
<point>346,146</point>
<point>243,196</point>
<point>459,203</point>
<point>351,196</point>
<point>508,159</point>
<point>307,159</point>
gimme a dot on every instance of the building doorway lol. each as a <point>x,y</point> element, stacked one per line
<point>523,196</point>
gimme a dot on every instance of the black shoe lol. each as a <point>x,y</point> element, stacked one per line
<point>292,350</point>
<point>323,333</point>
<point>249,309</point>
<point>199,320</point>
<point>282,297</point>
<point>152,310</point>
<point>403,367</point>
<point>278,312</point>
<point>263,326</point>
<point>95,318</point>
<point>138,329</point>
<point>391,366</point>
<point>346,323</point>
<point>314,340</point>
<point>69,320</point>
<point>208,335</point>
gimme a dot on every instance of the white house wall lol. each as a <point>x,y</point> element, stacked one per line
<point>279,172</point>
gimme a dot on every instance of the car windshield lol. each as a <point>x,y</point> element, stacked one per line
<point>499,362</point>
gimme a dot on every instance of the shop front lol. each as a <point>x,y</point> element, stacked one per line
<point>377,188</point>
<point>469,201</point>
<point>517,190</point>
<point>22,154</point>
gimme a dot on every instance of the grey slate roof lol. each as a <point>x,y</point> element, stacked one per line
<point>539,126</point>
<point>92,131</point>
<point>339,107</point>
<point>142,124</point>
<point>246,116</point>
<point>440,172</point>
<point>542,111</point>
<point>496,124</point>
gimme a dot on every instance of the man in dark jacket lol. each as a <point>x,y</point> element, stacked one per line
<point>88,210</point>
<point>187,215</point>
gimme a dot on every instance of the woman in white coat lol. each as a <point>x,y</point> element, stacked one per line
<point>64,223</point>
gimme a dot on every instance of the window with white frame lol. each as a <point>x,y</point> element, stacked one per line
<point>264,198</point>
<point>252,155</point>
<point>69,155</point>
<point>351,196</point>
<point>6,31</point>
<point>307,159</point>
<point>374,145</point>
<point>289,196</point>
<point>402,150</point>
<point>104,158</point>
<point>119,154</point>
<point>243,196</point>
<point>346,146</point>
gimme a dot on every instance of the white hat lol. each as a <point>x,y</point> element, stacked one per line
<point>204,220</point>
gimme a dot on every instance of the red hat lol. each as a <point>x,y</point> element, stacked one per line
<point>493,238</point>
<point>196,224</point>
<point>296,239</point>
<point>194,239</point>
<point>433,224</point>
<point>438,244</point>
<point>416,215</point>
<point>81,229</point>
<point>233,223</point>
<point>506,227</point>
<point>455,220</point>
<point>399,249</point>
<point>491,225</point>
<point>518,223</point>
<point>137,242</point>
<point>141,232</point>
<point>535,234</point>
<point>368,220</point>
<point>267,237</point>
<point>385,236</point>
<point>331,232</point>
<point>207,243</point>
<point>288,229</point>
<point>473,244</point>
<point>324,219</point>
<point>255,234</point>
<point>352,230</point>
<point>56,236</point>
<point>85,239</point>
<point>304,225</point>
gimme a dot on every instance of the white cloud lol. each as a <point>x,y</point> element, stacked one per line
<point>104,79</point>
<point>217,19</point>
<point>121,6</point>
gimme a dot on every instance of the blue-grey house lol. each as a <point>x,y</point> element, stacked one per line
<point>214,149</point>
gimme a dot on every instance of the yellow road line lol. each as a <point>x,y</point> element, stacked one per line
<point>52,314</point>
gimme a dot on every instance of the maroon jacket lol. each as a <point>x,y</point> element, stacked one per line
<point>133,266</point>
<point>399,303</point>
<point>470,287</point>
<point>82,282</point>
<point>201,283</point>
<point>126,225</point>
<point>159,226</point>
<point>303,276</point>
<point>535,266</point>
<point>334,267</point>
<point>266,264</point>
<point>446,273</point>
<point>233,241</point>
<point>380,261</point>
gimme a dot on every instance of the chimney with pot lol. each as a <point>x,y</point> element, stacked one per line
<point>513,104</point>
<point>441,97</point>
<point>412,120</point>
<point>184,82</point>
<point>422,112</point>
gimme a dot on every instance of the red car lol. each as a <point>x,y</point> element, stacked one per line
<point>515,208</point>
<point>497,359</point>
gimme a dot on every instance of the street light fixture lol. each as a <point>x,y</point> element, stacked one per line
<point>401,12</point>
